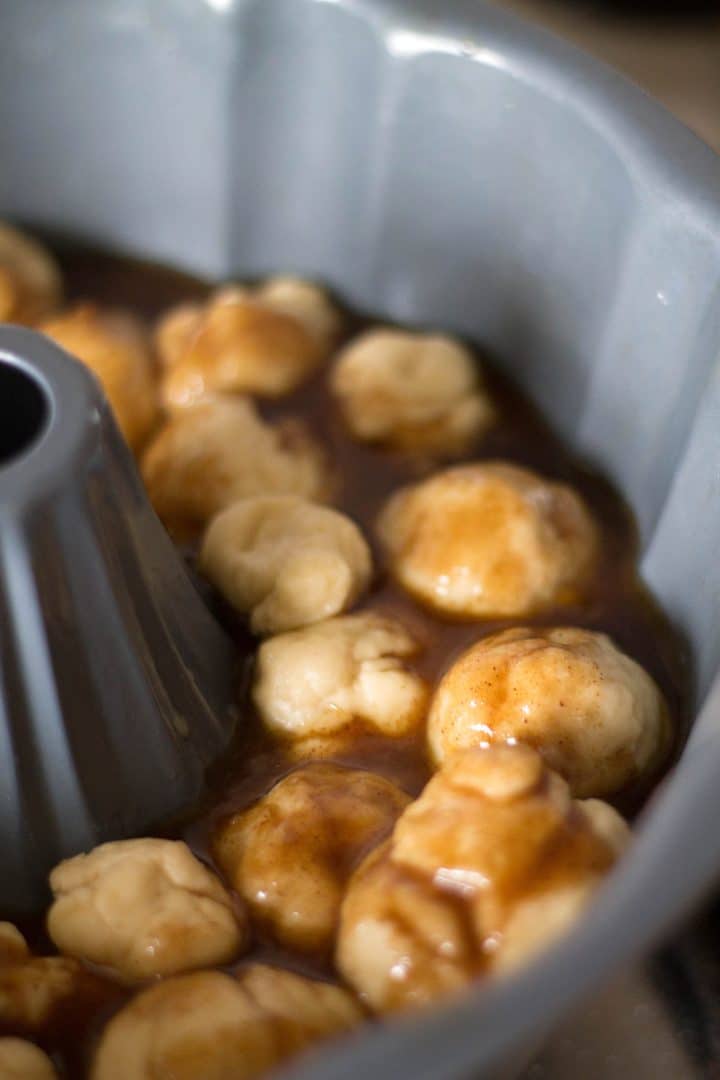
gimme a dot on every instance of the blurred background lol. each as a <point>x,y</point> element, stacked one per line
<point>670,47</point>
<point>660,1022</point>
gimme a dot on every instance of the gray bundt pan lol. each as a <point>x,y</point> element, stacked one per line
<point>441,163</point>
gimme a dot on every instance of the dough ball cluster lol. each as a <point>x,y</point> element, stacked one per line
<point>263,341</point>
<point>206,458</point>
<point>318,680</point>
<point>489,539</point>
<point>411,391</point>
<point>284,561</point>
<point>489,865</point>
<point>291,854</point>
<point>212,1026</point>
<point>595,715</point>
<point>143,908</point>
<point>114,346</point>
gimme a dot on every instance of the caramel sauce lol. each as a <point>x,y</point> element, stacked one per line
<point>616,602</point>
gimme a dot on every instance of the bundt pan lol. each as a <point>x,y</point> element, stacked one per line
<point>440,163</point>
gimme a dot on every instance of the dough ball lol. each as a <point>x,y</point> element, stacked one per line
<point>411,391</point>
<point>36,990</point>
<point>30,282</point>
<point>210,456</point>
<point>285,561</point>
<point>291,854</point>
<point>20,1060</point>
<point>263,341</point>
<point>491,864</point>
<point>113,345</point>
<point>12,944</point>
<point>595,715</point>
<point>143,908</point>
<point>211,1026</point>
<point>306,302</point>
<point>489,540</point>
<point>317,680</point>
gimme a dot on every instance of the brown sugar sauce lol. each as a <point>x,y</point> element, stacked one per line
<point>616,603</point>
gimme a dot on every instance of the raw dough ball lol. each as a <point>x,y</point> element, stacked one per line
<point>113,345</point>
<point>595,715</point>
<point>210,1026</point>
<point>143,908</point>
<point>210,456</point>
<point>317,680</point>
<point>411,391</point>
<point>285,561</point>
<point>34,990</point>
<point>20,1060</point>
<point>264,341</point>
<point>30,283</point>
<point>489,865</point>
<point>489,539</point>
<point>291,854</point>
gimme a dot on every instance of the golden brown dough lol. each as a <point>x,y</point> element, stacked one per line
<point>285,561</point>
<point>595,715</point>
<point>34,990</point>
<point>12,944</point>
<point>114,346</point>
<point>317,680</point>
<point>291,854</point>
<point>489,865</point>
<point>207,457</point>
<point>306,302</point>
<point>263,341</point>
<point>210,1026</point>
<point>489,539</point>
<point>30,282</point>
<point>20,1060</point>
<point>143,908</point>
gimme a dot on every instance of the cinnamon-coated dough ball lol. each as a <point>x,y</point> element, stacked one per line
<point>21,1060</point>
<point>211,1026</point>
<point>114,346</point>
<point>317,680</point>
<point>34,990</point>
<point>30,283</point>
<point>489,539</point>
<point>285,561</point>
<point>264,341</point>
<point>143,908</point>
<point>595,715</point>
<point>489,865</point>
<point>411,391</point>
<point>210,456</point>
<point>291,854</point>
